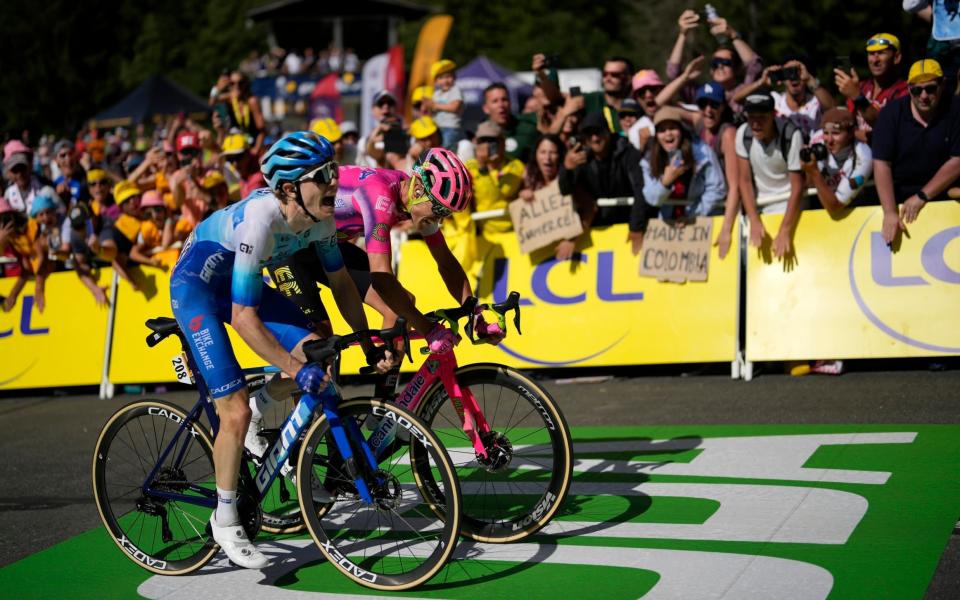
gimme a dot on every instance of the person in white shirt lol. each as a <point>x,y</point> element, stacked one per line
<point>848,164</point>
<point>771,178</point>
<point>803,99</point>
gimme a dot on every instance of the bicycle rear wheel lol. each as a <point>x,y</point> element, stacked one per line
<point>400,540</point>
<point>164,536</point>
<point>519,488</point>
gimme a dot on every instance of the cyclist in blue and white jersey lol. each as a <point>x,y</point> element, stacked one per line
<point>218,279</point>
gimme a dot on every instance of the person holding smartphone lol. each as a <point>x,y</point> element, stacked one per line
<point>865,98</point>
<point>497,176</point>
<point>681,174</point>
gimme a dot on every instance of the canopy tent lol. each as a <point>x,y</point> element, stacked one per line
<point>156,97</point>
<point>476,75</point>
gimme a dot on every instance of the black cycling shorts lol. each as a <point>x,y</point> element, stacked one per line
<point>298,276</point>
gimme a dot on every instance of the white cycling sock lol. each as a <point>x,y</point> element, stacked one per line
<point>258,401</point>
<point>227,507</point>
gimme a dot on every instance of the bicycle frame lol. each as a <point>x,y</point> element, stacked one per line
<point>437,366</point>
<point>294,425</point>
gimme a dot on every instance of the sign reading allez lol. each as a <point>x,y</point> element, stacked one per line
<point>549,217</point>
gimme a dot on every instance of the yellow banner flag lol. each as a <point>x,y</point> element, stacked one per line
<point>433,36</point>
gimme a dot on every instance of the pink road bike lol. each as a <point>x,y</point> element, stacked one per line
<point>508,440</point>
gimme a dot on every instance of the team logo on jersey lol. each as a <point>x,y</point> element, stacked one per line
<point>246,248</point>
<point>289,288</point>
<point>366,173</point>
<point>381,232</point>
<point>196,323</point>
<point>383,204</point>
<point>283,274</point>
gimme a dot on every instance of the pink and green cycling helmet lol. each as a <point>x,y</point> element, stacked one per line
<point>446,181</point>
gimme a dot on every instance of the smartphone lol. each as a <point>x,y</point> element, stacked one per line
<point>676,157</point>
<point>575,91</point>
<point>395,140</point>
<point>224,114</point>
<point>493,148</point>
<point>843,63</point>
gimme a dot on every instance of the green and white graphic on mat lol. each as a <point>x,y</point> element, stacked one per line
<point>739,512</point>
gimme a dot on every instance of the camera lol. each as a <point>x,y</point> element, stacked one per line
<point>785,74</point>
<point>551,61</point>
<point>78,216</point>
<point>816,151</point>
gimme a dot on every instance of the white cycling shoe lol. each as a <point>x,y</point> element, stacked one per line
<point>233,540</point>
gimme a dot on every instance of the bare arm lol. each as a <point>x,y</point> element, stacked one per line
<point>386,284</point>
<point>452,273</point>
<point>827,196</point>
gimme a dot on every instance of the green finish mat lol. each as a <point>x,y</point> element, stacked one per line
<point>738,512</point>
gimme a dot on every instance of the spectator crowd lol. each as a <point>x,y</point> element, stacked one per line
<point>723,134</point>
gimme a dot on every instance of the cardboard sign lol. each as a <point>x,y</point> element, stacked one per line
<point>547,218</point>
<point>679,254</point>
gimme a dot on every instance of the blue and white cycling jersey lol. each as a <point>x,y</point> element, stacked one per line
<point>222,264</point>
<point>234,244</point>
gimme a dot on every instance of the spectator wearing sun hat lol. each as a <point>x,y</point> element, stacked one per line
<point>916,147</point>
<point>116,240</point>
<point>156,231</point>
<point>25,185</point>
<point>446,104</point>
<point>240,168</point>
<point>840,177</point>
<point>420,93</point>
<point>865,98</point>
<point>646,85</point>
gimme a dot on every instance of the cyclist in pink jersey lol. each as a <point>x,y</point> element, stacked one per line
<point>369,203</point>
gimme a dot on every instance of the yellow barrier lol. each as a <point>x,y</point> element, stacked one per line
<point>63,346</point>
<point>133,362</point>
<point>849,296</point>
<point>598,312</point>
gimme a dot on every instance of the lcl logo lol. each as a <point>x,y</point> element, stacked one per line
<point>26,328</point>
<point>908,294</point>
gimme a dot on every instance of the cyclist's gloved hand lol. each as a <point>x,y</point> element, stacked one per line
<point>441,340</point>
<point>491,333</point>
<point>312,378</point>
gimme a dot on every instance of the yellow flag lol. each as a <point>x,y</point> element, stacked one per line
<point>433,36</point>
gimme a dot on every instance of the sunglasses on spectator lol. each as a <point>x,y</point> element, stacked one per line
<point>880,42</point>
<point>615,74</point>
<point>63,155</point>
<point>720,62</point>
<point>97,182</point>
<point>155,211</point>
<point>323,174</point>
<point>19,169</point>
<point>190,152</point>
<point>930,89</point>
<point>703,103</point>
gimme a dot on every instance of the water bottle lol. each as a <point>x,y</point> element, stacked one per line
<point>712,15</point>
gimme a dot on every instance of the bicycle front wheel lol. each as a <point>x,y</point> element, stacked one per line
<point>403,537</point>
<point>520,485</point>
<point>168,537</point>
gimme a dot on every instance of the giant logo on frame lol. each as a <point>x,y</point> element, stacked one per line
<point>912,294</point>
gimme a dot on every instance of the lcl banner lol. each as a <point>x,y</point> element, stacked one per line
<point>846,294</point>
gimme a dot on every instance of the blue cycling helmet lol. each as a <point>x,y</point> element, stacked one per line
<point>294,155</point>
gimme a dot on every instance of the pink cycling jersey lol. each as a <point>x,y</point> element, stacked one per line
<point>368,203</point>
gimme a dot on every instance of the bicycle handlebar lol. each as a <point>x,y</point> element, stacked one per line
<point>453,315</point>
<point>322,351</point>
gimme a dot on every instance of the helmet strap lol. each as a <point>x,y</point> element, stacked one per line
<point>299,199</point>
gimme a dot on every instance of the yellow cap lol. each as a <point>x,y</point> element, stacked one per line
<point>924,70</point>
<point>327,128</point>
<point>419,93</point>
<point>441,66</point>
<point>96,175</point>
<point>235,143</point>
<point>883,41</point>
<point>125,190</point>
<point>423,127</point>
<point>212,178</point>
